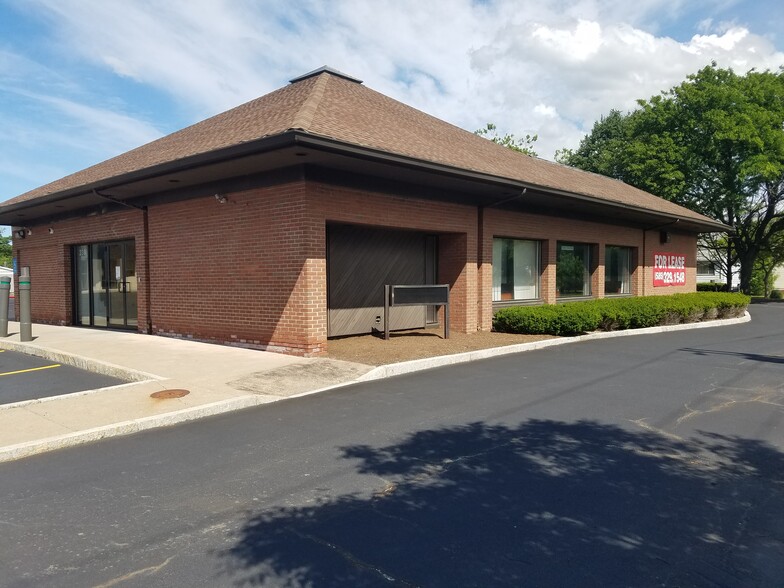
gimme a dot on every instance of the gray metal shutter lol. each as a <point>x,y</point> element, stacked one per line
<point>360,261</point>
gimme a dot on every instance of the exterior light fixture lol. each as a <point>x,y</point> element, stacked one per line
<point>221,199</point>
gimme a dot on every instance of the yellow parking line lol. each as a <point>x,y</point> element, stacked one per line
<point>45,367</point>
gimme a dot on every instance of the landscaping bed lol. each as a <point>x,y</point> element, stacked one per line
<point>610,314</point>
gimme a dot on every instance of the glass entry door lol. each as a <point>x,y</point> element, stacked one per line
<point>105,287</point>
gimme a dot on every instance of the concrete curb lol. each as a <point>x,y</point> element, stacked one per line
<point>30,448</point>
<point>407,367</point>
<point>23,403</point>
<point>78,361</point>
<point>21,450</point>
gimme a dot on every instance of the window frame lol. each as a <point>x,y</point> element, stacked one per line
<point>712,265</point>
<point>588,270</point>
<point>630,269</point>
<point>498,269</point>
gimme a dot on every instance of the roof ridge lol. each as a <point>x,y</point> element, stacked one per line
<point>304,116</point>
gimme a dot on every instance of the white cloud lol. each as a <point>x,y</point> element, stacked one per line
<point>545,110</point>
<point>579,44</point>
<point>530,67</point>
<point>78,125</point>
<point>726,41</point>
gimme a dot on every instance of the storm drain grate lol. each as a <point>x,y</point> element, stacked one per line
<point>174,393</point>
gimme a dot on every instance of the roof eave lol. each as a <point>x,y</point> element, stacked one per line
<point>321,142</point>
<point>261,145</point>
<point>300,137</point>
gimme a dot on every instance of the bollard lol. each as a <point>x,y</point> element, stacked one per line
<point>5,292</point>
<point>25,322</point>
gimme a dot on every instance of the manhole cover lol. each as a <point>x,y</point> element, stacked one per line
<point>164,394</point>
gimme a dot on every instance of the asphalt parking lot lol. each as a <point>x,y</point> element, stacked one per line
<point>25,377</point>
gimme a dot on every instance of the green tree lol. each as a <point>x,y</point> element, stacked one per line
<point>714,144</point>
<point>524,145</point>
<point>5,250</point>
<point>769,259</point>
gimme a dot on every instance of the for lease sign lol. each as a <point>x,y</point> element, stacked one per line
<point>669,269</point>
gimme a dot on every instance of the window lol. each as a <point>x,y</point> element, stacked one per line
<point>617,270</point>
<point>705,268</point>
<point>515,269</point>
<point>573,270</point>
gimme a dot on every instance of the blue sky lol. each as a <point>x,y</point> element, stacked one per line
<point>84,80</point>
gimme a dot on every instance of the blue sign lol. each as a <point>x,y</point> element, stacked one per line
<point>16,271</point>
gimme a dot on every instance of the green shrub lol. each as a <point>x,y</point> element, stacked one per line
<point>533,320</point>
<point>609,314</point>
<point>775,294</point>
<point>614,316</point>
<point>711,287</point>
<point>573,319</point>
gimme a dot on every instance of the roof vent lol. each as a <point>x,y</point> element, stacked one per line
<point>325,69</point>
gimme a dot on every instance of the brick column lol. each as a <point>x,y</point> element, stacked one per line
<point>548,270</point>
<point>457,267</point>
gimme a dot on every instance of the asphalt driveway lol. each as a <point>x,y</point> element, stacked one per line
<point>26,377</point>
<point>638,461</point>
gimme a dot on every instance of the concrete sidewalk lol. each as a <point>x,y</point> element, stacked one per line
<point>218,379</point>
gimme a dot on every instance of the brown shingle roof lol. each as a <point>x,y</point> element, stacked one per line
<point>335,107</point>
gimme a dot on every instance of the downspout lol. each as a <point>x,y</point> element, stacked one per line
<point>480,238</point>
<point>147,281</point>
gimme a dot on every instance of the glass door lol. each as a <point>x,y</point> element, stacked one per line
<point>98,284</point>
<point>105,284</point>
<point>82,290</point>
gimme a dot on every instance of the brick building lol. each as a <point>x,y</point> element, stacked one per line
<point>276,224</point>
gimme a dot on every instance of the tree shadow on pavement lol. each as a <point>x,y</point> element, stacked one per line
<point>545,503</point>
<point>742,355</point>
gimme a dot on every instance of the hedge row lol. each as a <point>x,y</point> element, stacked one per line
<point>712,287</point>
<point>609,314</point>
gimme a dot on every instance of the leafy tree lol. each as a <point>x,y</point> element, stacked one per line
<point>718,248</point>
<point>771,257</point>
<point>5,250</point>
<point>602,150</point>
<point>714,144</point>
<point>523,145</point>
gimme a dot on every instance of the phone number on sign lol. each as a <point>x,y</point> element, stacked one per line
<point>669,278</point>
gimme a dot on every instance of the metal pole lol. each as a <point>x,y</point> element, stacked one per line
<point>5,292</point>
<point>25,322</point>
<point>446,315</point>
<point>386,312</point>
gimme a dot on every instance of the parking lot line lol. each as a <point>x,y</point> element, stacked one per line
<point>45,367</point>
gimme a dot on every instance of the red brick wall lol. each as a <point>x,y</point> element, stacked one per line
<point>253,271</point>
<point>682,244</point>
<point>550,230</point>
<point>235,272</point>
<point>456,226</point>
<point>49,258</point>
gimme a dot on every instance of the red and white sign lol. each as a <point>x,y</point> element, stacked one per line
<point>669,269</point>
